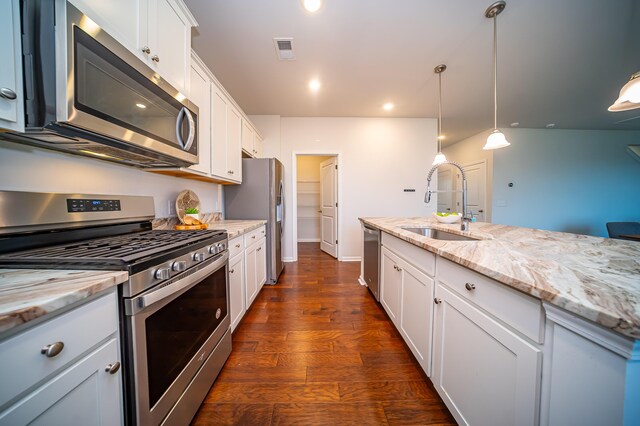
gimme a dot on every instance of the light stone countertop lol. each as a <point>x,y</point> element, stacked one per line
<point>592,277</point>
<point>28,294</point>
<point>234,228</point>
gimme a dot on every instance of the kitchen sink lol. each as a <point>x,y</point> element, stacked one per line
<point>437,234</point>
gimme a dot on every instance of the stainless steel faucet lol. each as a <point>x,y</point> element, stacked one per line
<point>465,220</point>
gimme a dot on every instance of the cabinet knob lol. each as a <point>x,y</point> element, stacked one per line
<point>231,271</point>
<point>146,50</point>
<point>437,301</point>
<point>259,248</point>
<point>238,245</point>
<point>470,286</point>
<point>7,93</point>
<point>112,368</point>
<point>52,350</point>
<point>155,58</point>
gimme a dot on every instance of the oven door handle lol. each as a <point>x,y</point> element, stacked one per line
<point>141,303</point>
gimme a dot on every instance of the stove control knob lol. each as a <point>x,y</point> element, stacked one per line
<point>162,274</point>
<point>198,257</point>
<point>222,246</point>
<point>213,250</point>
<point>179,266</point>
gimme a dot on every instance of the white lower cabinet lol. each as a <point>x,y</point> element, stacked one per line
<point>406,295</point>
<point>237,306</point>
<point>247,272</point>
<point>11,106</point>
<point>78,381</point>
<point>484,372</point>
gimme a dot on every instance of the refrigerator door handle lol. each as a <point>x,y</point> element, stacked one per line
<point>283,207</point>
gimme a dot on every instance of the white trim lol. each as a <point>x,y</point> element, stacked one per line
<point>308,240</point>
<point>294,197</point>
<point>487,208</point>
<point>617,343</point>
<point>351,259</point>
<point>288,259</point>
<point>186,12</point>
<point>362,282</point>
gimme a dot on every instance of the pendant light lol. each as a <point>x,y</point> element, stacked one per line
<point>496,139</point>
<point>440,158</point>
<point>629,95</point>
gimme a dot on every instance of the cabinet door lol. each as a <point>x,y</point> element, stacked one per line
<point>234,147</point>
<point>485,373</point>
<point>261,262</point>
<point>257,146</point>
<point>219,104</point>
<point>170,42</point>
<point>201,96</point>
<point>11,110</point>
<point>237,304</point>
<point>124,20</point>
<point>251,273</point>
<point>416,313</point>
<point>391,285</point>
<point>83,394</point>
<point>247,138</point>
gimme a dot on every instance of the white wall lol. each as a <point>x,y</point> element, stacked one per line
<point>378,159</point>
<point>23,168</point>
<point>566,180</point>
<point>469,151</point>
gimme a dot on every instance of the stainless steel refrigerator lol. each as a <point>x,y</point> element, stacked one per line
<point>261,196</point>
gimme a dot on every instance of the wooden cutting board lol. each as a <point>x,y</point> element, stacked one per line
<point>191,227</point>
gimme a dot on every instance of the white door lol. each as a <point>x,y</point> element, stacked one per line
<point>329,207</point>
<point>476,189</point>
<point>11,109</point>
<point>445,184</point>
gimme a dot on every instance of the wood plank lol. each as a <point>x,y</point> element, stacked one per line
<point>417,412</point>
<point>274,392</point>
<point>233,414</point>
<point>316,346</point>
<point>252,359</point>
<point>319,359</point>
<point>386,391</point>
<point>367,373</point>
<point>355,414</point>
<point>263,374</point>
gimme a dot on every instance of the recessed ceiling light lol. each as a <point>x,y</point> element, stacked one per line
<point>388,106</point>
<point>515,124</point>
<point>314,85</point>
<point>312,5</point>
<point>550,125</point>
<point>139,105</point>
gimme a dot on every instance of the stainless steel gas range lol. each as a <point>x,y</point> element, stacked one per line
<point>173,309</point>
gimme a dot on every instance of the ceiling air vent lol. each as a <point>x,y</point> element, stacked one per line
<point>284,48</point>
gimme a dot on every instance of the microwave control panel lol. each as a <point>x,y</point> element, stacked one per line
<point>79,205</point>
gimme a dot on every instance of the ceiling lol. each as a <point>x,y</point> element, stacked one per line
<point>560,62</point>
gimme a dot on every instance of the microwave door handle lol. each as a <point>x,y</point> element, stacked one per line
<point>184,112</point>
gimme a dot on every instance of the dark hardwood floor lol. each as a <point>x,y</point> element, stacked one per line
<point>317,349</point>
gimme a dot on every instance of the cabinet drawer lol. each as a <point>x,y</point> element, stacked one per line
<point>419,257</point>
<point>236,246</point>
<point>254,236</point>
<point>23,364</point>
<point>521,312</point>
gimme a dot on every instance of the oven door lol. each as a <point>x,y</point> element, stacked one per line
<point>172,329</point>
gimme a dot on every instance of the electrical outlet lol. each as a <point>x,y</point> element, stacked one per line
<point>171,208</point>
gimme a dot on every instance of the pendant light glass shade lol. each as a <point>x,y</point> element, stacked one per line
<point>440,158</point>
<point>496,140</point>
<point>629,95</point>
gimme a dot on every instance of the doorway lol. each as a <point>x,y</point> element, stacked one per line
<point>316,194</point>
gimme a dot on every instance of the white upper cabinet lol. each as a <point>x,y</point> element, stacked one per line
<point>234,141</point>
<point>251,140</point>
<point>201,96</point>
<point>157,31</point>
<point>219,107</point>
<point>258,146</point>
<point>11,106</point>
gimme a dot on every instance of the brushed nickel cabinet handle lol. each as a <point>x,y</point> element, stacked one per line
<point>238,245</point>
<point>470,286</point>
<point>7,93</point>
<point>437,301</point>
<point>146,50</point>
<point>112,368</point>
<point>52,350</point>
<point>155,58</point>
<point>231,271</point>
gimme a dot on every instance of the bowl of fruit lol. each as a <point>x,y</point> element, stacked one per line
<point>447,217</point>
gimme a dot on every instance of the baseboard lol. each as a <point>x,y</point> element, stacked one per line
<point>308,240</point>
<point>288,259</point>
<point>362,281</point>
<point>350,259</point>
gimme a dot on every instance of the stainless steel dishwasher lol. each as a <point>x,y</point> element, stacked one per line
<point>372,260</point>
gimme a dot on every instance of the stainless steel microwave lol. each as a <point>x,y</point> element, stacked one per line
<point>87,94</point>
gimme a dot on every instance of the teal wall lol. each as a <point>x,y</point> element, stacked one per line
<point>566,180</point>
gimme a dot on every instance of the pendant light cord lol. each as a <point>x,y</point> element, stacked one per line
<point>440,112</point>
<point>495,72</point>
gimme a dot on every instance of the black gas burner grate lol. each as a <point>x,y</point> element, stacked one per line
<point>119,250</point>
